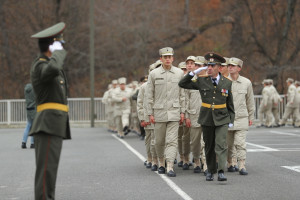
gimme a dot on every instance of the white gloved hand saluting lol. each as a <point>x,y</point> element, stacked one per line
<point>56,46</point>
<point>230,125</point>
<point>197,71</point>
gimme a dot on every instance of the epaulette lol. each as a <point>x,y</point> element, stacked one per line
<point>227,78</point>
<point>42,59</point>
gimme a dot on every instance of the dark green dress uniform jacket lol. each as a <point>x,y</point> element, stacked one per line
<point>50,86</point>
<point>215,96</point>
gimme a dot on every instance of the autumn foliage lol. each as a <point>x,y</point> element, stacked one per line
<point>128,34</point>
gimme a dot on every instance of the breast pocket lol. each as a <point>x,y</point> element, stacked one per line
<point>204,92</point>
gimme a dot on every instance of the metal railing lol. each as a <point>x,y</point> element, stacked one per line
<point>13,111</point>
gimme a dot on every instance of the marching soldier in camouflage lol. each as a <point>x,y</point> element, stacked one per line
<point>193,104</point>
<point>181,66</point>
<point>190,65</point>
<point>224,68</point>
<point>121,97</point>
<point>243,100</point>
<point>216,113</point>
<point>292,105</point>
<point>166,107</point>
<point>152,160</point>
<point>51,123</point>
<point>276,99</point>
<point>265,106</point>
<point>111,117</point>
<point>297,84</point>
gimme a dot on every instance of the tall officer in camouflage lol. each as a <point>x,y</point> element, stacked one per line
<point>193,104</point>
<point>243,100</point>
<point>166,107</point>
<point>51,123</point>
<point>265,106</point>
<point>121,97</point>
<point>216,113</point>
<point>181,66</point>
<point>30,111</point>
<point>292,105</point>
<point>276,99</point>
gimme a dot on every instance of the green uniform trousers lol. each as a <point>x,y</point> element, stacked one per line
<point>47,154</point>
<point>215,146</point>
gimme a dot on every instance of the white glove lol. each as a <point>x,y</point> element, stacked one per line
<point>55,46</point>
<point>197,71</point>
<point>230,125</point>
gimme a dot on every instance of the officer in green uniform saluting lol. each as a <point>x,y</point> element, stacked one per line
<point>216,112</point>
<point>51,123</point>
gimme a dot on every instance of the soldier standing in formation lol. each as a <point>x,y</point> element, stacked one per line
<point>216,114</point>
<point>292,106</point>
<point>166,107</point>
<point>243,100</point>
<point>51,123</point>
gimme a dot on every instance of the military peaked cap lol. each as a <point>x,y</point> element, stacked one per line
<point>54,31</point>
<point>213,58</point>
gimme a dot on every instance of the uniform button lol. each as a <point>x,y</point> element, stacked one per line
<point>213,103</point>
<point>214,97</point>
<point>214,92</point>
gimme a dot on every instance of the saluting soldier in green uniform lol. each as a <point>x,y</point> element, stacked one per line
<point>216,113</point>
<point>51,123</point>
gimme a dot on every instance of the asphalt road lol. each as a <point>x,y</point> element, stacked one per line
<point>96,165</point>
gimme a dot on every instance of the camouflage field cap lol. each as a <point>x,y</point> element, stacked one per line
<point>122,80</point>
<point>200,60</point>
<point>290,80</point>
<point>182,65</point>
<point>270,81</point>
<point>235,61</point>
<point>157,64</point>
<point>192,58</point>
<point>225,63</point>
<point>167,51</point>
<point>55,31</point>
<point>213,58</point>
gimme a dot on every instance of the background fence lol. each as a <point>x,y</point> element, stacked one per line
<point>13,111</point>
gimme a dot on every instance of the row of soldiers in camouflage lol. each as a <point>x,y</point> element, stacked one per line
<point>161,104</point>
<point>121,113</point>
<point>270,104</point>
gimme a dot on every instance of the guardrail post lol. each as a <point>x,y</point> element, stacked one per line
<point>8,112</point>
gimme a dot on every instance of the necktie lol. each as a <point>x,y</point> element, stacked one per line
<point>214,81</point>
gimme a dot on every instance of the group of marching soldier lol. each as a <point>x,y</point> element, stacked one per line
<point>203,106</point>
<point>270,101</point>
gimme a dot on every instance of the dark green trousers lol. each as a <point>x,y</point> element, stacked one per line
<point>215,146</point>
<point>47,154</point>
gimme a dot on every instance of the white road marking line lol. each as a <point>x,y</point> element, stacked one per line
<point>261,148</point>
<point>172,185</point>
<point>294,168</point>
<point>284,133</point>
